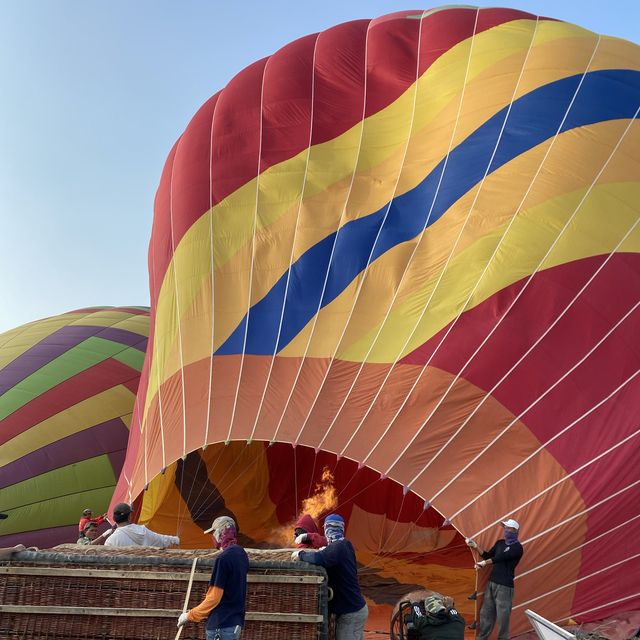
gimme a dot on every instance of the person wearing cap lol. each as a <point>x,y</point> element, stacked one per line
<point>498,596</point>
<point>128,534</point>
<point>339,559</point>
<point>307,535</point>
<point>224,603</point>
<point>90,535</point>
<point>87,516</point>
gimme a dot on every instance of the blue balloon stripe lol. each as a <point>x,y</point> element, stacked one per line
<point>604,95</point>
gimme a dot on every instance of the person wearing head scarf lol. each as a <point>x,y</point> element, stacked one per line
<point>128,534</point>
<point>498,596</point>
<point>307,535</point>
<point>224,604</point>
<point>339,559</point>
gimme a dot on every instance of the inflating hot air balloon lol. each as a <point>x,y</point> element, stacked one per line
<point>67,389</point>
<point>408,247</point>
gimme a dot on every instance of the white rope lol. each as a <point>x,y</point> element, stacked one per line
<point>520,292</point>
<point>416,247</point>
<point>549,389</point>
<point>178,323</point>
<point>541,493</point>
<point>187,500</point>
<point>152,365</point>
<point>362,364</point>
<point>580,546</point>
<point>213,276</point>
<point>333,247</point>
<point>128,480</point>
<point>516,298</point>
<point>253,255</point>
<point>365,272</point>
<point>562,523</point>
<point>542,447</point>
<point>600,606</point>
<point>177,307</point>
<point>569,584</point>
<point>293,244</point>
<point>424,368</point>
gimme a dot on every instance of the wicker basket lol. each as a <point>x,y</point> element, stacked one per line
<point>104,593</point>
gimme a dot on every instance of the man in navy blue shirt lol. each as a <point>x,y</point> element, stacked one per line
<point>223,606</point>
<point>498,596</point>
<point>339,559</point>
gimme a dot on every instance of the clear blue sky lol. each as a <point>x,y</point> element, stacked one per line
<point>93,96</point>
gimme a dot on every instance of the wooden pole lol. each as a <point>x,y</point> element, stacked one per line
<point>186,600</point>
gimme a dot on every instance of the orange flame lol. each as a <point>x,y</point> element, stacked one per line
<point>324,499</point>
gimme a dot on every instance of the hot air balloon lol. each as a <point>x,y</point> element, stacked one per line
<point>67,389</point>
<point>406,248</point>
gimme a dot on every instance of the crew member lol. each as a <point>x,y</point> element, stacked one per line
<point>90,535</point>
<point>339,559</point>
<point>224,604</point>
<point>128,534</point>
<point>307,535</point>
<point>498,596</point>
<point>87,516</point>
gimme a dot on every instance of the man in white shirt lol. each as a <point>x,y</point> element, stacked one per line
<point>135,535</point>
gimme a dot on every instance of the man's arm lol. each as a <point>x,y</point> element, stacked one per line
<point>153,539</point>
<point>210,602</point>
<point>102,537</point>
<point>328,557</point>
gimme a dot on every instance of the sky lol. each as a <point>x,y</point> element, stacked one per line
<point>94,94</point>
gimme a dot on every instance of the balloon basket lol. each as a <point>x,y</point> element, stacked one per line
<point>75,593</point>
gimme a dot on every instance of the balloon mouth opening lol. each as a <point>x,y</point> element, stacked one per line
<point>295,479</point>
<point>401,542</point>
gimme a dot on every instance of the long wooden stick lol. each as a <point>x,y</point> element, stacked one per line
<point>186,600</point>
<point>476,611</point>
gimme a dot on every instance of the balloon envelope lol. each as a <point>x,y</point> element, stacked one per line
<point>67,389</point>
<point>412,242</point>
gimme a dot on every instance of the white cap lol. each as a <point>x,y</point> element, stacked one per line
<point>511,523</point>
<point>222,522</point>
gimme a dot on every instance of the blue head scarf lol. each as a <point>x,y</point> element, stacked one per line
<point>334,527</point>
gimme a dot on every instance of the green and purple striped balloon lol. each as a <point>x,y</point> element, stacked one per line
<point>67,390</point>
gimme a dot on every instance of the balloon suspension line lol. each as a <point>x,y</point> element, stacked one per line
<point>295,480</point>
<point>180,510</point>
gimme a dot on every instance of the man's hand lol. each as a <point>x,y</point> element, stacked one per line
<point>481,564</point>
<point>296,554</point>
<point>302,539</point>
<point>471,543</point>
<point>175,540</point>
<point>183,619</point>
